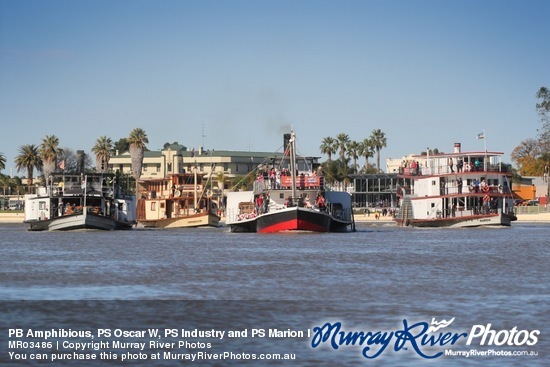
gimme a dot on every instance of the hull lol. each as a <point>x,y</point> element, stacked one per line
<point>462,222</point>
<point>291,219</point>
<point>78,221</point>
<point>198,220</point>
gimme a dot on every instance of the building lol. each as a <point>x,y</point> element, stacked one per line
<point>230,165</point>
<point>376,190</point>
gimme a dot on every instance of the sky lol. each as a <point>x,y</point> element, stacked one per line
<point>236,75</point>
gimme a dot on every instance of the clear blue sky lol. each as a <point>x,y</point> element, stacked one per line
<point>426,72</point>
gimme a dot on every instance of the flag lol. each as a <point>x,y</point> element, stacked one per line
<point>481,136</point>
<point>193,153</point>
<point>61,165</point>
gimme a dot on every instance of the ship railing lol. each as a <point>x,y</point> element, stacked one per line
<point>446,169</point>
<point>303,182</point>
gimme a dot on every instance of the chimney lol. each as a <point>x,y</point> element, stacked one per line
<point>457,147</point>
<point>286,142</point>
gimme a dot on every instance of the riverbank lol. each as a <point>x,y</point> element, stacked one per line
<point>543,217</point>
<point>18,217</point>
<point>525,218</point>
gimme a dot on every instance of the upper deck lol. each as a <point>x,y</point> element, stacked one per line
<point>452,163</point>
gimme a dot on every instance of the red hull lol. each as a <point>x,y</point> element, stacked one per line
<point>293,225</point>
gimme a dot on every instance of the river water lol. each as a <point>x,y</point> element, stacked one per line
<point>379,278</point>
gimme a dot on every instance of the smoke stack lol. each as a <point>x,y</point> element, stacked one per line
<point>286,141</point>
<point>457,147</point>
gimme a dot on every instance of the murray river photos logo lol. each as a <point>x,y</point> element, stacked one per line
<point>428,340</point>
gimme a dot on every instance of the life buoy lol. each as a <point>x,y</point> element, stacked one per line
<point>486,199</point>
<point>177,193</point>
<point>485,188</point>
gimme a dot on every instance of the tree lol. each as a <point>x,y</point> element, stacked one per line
<point>379,141</point>
<point>49,152</point>
<point>342,141</point>
<point>525,156</point>
<point>328,147</point>
<point>2,161</point>
<point>543,109</point>
<point>29,159</point>
<point>366,149</point>
<point>137,140</point>
<point>102,150</point>
<point>353,153</point>
<point>121,146</point>
<point>6,183</point>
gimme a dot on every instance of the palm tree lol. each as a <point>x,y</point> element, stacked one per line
<point>49,152</point>
<point>328,147</point>
<point>28,159</point>
<point>366,149</point>
<point>2,161</point>
<point>379,141</point>
<point>102,150</point>
<point>137,140</point>
<point>6,183</point>
<point>353,153</point>
<point>342,141</point>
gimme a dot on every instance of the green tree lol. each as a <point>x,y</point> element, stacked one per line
<point>328,147</point>
<point>49,152</point>
<point>353,153</point>
<point>137,140</point>
<point>2,161</point>
<point>379,141</point>
<point>342,143</point>
<point>102,150</point>
<point>29,159</point>
<point>366,149</point>
<point>7,184</point>
<point>121,146</point>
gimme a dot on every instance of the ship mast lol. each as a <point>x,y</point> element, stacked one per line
<point>293,163</point>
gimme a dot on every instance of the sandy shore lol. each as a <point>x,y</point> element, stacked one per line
<point>12,217</point>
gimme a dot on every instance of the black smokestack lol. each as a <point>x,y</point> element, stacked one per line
<point>286,142</point>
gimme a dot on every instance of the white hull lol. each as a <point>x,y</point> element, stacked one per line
<point>77,221</point>
<point>463,222</point>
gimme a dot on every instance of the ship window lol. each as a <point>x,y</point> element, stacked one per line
<point>281,195</point>
<point>433,183</point>
<point>153,206</point>
<point>432,205</point>
<point>162,205</point>
<point>169,167</point>
<point>226,167</point>
<point>42,205</point>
